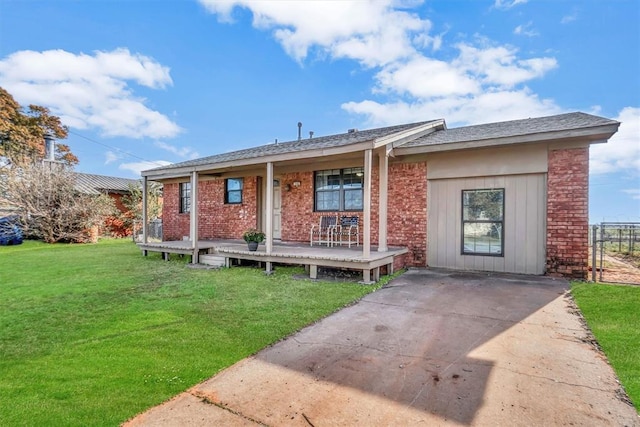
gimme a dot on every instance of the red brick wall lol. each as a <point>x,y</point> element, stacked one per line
<point>407,217</point>
<point>297,207</point>
<point>216,220</point>
<point>567,213</point>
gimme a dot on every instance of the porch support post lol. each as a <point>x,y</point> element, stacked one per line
<point>383,176</point>
<point>269,209</point>
<point>193,232</point>
<point>145,213</point>
<point>366,228</point>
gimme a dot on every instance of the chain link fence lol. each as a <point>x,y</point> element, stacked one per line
<point>615,252</point>
<point>154,230</point>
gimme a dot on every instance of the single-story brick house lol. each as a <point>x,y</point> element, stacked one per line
<point>507,197</point>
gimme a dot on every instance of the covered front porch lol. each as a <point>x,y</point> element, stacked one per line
<point>222,252</point>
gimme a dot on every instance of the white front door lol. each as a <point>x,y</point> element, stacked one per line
<point>277,207</point>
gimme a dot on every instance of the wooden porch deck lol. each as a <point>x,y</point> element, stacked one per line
<point>222,252</point>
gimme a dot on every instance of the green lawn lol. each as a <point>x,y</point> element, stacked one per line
<point>613,314</point>
<point>94,334</point>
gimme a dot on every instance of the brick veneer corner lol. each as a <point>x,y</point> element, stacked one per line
<point>568,213</point>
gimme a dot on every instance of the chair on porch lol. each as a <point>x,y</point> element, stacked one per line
<point>347,231</point>
<point>323,231</point>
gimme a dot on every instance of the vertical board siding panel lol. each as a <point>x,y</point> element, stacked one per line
<point>538,254</point>
<point>442,226</point>
<point>519,199</point>
<point>443,231</point>
<point>431,210</point>
<point>500,263</point>
<point>532,240</point>
<point>436,207</point>
<point>542,226</point>
<point>437,210</point>
<point>453,245</point>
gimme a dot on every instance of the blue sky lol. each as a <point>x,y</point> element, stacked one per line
<point>145,83</point>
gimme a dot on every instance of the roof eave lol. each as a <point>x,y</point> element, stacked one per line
<point>393,140</point>
<point>592,135</point>
<point>160,174</point>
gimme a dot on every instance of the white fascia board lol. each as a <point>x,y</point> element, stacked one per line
<point>591,135</point>
<point>402,137</point>
<point>239,163</point>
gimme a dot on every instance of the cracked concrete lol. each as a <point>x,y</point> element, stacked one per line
<point>432,348</point>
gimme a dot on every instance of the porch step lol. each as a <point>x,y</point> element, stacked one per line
<point>213,260</point>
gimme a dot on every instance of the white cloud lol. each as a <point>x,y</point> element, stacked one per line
<point>91,91</point>
<point>110,157</point>
<point>425,77</point>
<point>185,152</point>
<point>500,65</point>
<point>622,152</point>
<point>634,193</point>
<point>369,31</point>
<point>481,81</point>
<point>137,167</point>
<point>526,30</point>
<point>507,4</point>
<point>484,107</point>
<point>569,18</point>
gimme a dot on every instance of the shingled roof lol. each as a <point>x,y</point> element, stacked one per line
<point>439,137</point>
<point>330,141</point>
<point>513,128</point>
<point>96,184</point>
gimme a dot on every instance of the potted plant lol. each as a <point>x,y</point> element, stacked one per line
<point>253,237</point>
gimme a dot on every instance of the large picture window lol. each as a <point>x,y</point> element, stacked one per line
<point>483,222</point>
<point>339,189</point>
<point>233,191</point>
<point>185,197</point>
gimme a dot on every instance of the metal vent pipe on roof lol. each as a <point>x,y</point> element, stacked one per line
<point>299,131</point>
<point>49,147</point>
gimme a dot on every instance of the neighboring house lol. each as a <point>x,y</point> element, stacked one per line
<point>100,184</point>
<point>507,197</point>
<point>115,188</point>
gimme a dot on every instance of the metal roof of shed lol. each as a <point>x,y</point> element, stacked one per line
<point>96,184</point>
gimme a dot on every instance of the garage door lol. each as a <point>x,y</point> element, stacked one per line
<point>501,228</point>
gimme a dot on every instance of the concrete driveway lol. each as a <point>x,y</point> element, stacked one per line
<point>431,348</point>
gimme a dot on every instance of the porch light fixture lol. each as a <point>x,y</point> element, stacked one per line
<point>296,184</point>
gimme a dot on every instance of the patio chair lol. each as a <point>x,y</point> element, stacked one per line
<point>347,231</point>
<point>323,231</point>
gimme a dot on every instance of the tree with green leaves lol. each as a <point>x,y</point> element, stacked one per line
<point>133,200</point>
